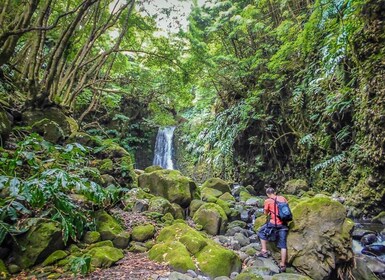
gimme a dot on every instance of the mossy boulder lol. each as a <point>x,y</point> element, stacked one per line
<point>91,237</point>
<point>212,218</point>
<point>214,260</point>
<point>227,197</point>
<point>210,194</point>
<point>217,184</point>
<point>174,253</point>
<point>194,206</point>
<point>110,229</point>
<point>152,168</point>
<point>54,257</point>
<point>143,233</point>
<point>50,130</point>
<point>319,239</point>
<point>244,195</point>
<point>290,276</point>
<point>296,186</point>
<point>43,238</point>
<point>380,218</point>
<point>107,226</point>
<point>160,205</point>
<point>178,211</point>
<point>170,184</point>
<point>104,256</point>
<point>260,221</point>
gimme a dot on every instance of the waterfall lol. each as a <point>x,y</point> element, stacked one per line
<point>164,148</point>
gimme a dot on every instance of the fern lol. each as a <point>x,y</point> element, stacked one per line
<point>327,163</point>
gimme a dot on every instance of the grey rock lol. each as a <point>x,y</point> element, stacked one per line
<point>179,276</point>
<point>242,239</point>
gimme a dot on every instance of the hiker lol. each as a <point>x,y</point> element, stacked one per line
<point>274,229</point>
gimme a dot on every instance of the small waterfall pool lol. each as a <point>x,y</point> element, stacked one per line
<point>163,153</point>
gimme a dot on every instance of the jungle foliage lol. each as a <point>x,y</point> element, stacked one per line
<point>292,85</point>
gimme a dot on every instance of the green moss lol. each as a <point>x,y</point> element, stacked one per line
<point>211,217</point>
<point>167,219</point>
<point>91,237</point>
<point>227,197</point>
<point>244,196</point>
<point>143,233</point>
<point>218,184</point>
<point>347,229</point>
<point>173,232</point>
<point>104,243</point>
<point>207,193</point>
<point>122,240</point>
<point>174,253</point>
<point>194,206</point>
<point>194,241</point>
<point>54,257</point>
<point>215,261</point>
<point>290,276</point>
<point>160,205</point>
<point>225,206</point>
<point>259,222</point>
<point>107,226</point>
<point>152,168</point>
<point>105,256</point>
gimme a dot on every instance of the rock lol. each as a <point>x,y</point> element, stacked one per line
<point>242,240</point>
<point>227,197</point>
<point>160,205</point>
<point>380,218</point>
<point>43,238</point>
<point>104,256</point>
<point>178,211</point>
<point>217,184</point>
<point>179,276</point>
<point>104,243</point>
<point>143,233</point>
<point>140,206</point>
<point>374,250</point>
<point>174,253</point>
<point>248,276</point>
<point>215,261</point>
<point>54,257</point>
<point>210,194</point>
<point>255,201</point>
<point>295,186</point>
<point>319,238</point>
<point>258,270</point>
<point>122,240</point>
<point>362,270</point>
<point>138,247</point>
<point>106,225</point>
<point>13,268</point>
<point>212,259</point>
<point>170,184</point>
<point>237,223</point>
<point>152,168</point>
<point>212,218</point>
<point>91,237</point>
<point>244,196</point>
<point>53,118</point>
<point>289,276</point>
<point>368,239</point>
<point>222,278</point>
<point>194,206</point>
<point>4,274</point>
<point>358,233</point>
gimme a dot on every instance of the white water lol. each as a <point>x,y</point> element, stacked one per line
<point>163,148</point>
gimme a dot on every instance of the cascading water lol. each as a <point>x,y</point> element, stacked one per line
<point>164,148</point>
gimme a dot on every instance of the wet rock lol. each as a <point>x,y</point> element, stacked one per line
<point>358,233</point>
<point>380,218</point>
<point>374,250</point>
<point>368,239</point>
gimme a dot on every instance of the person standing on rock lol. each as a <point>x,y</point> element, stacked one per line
<point>274,229</point>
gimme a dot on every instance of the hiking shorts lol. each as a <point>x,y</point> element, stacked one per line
<point>280,237</point>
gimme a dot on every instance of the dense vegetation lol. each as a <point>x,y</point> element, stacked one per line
<point>261,91</point>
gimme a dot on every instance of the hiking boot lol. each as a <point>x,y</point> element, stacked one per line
<point>262,255</point>
<point>282,268</point>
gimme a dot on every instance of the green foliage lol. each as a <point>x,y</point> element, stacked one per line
<point>38,180</point>
<point>80,265</point>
